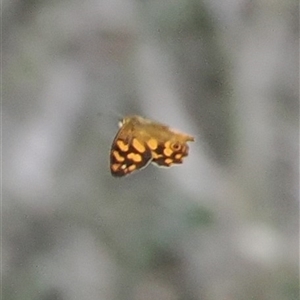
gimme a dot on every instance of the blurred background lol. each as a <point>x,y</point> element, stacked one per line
<point>223,225</point>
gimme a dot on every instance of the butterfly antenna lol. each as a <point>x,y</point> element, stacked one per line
<point>110,113</point>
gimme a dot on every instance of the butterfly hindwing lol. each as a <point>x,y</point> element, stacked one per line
<point>170,153</point>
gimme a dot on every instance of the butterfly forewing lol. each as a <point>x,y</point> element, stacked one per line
<point>128,154</point>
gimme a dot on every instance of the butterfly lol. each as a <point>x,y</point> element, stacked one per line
<point>140,141</point>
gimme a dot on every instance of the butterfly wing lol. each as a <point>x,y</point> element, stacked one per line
<point>128,153</point>
<point>170,153</point>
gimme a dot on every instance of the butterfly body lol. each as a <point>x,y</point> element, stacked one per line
<point>141,141</point>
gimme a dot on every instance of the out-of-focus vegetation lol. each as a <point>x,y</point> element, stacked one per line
<point>224,225</point>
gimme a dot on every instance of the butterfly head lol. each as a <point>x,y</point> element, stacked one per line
<point>134,120</point>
